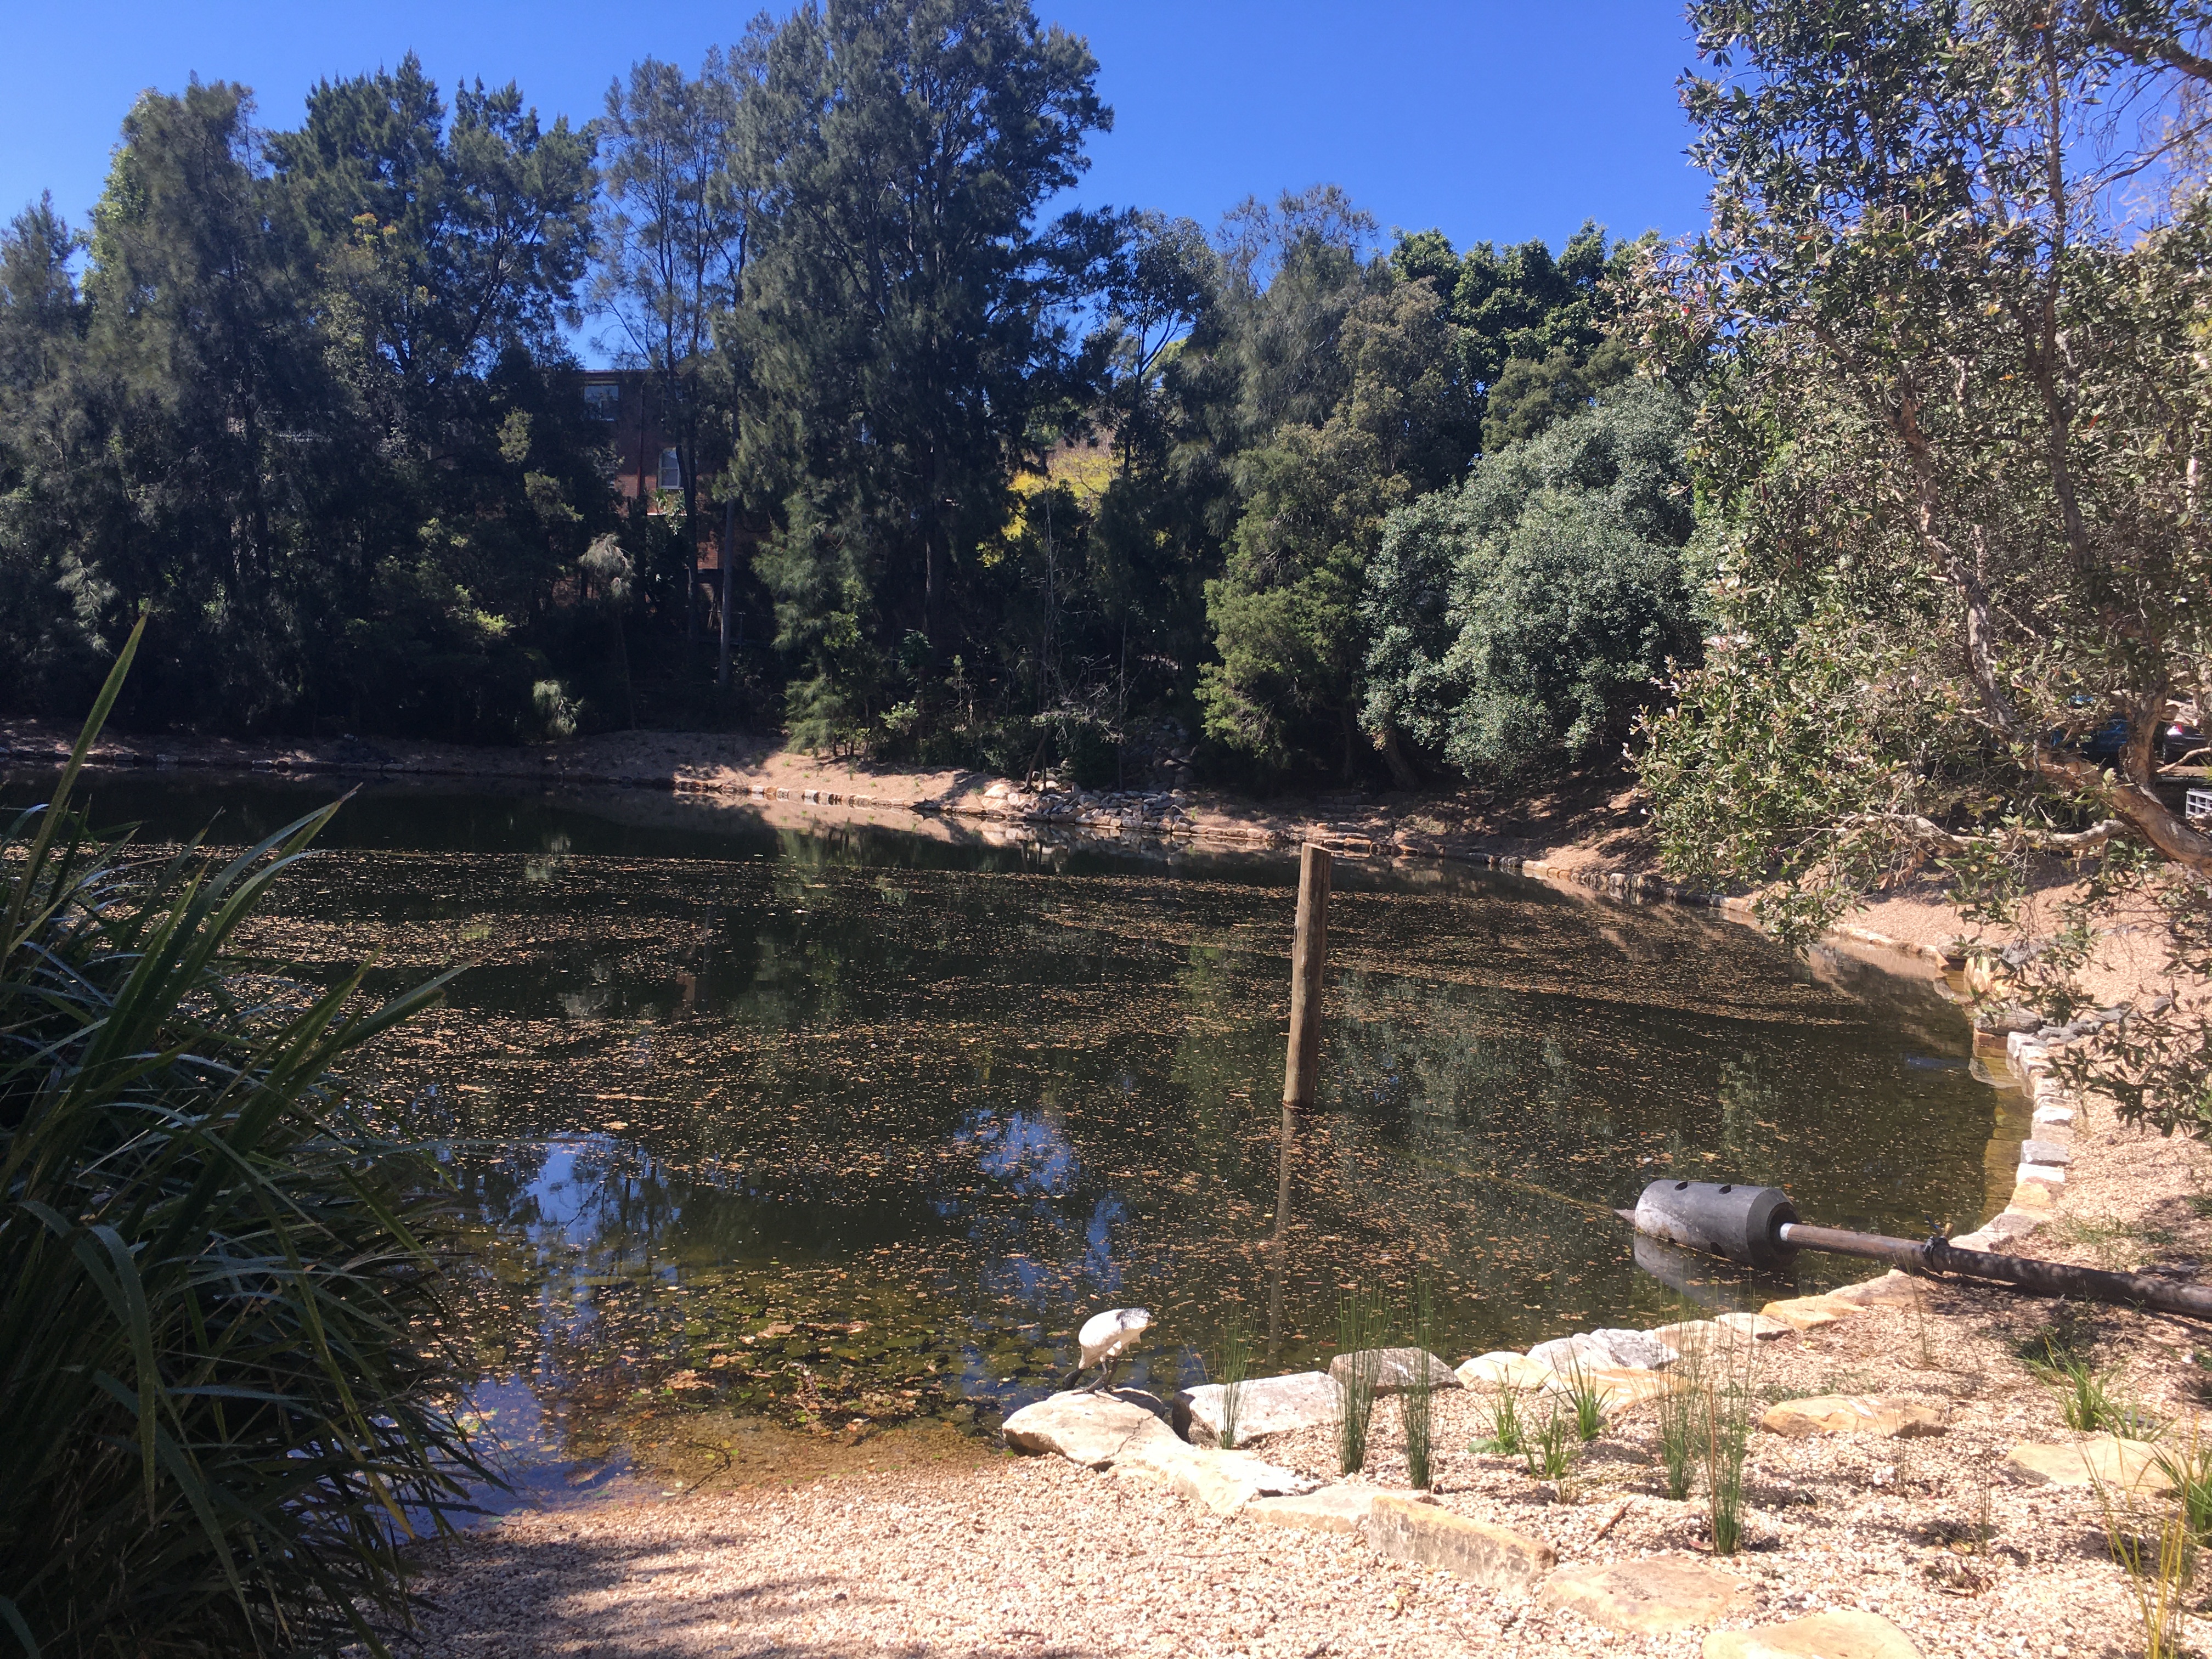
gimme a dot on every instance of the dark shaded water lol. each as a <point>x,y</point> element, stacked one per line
<point>841,1132</point>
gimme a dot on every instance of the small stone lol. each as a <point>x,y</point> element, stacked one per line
<point>1503,1369</point>
<point>2104,1461</point>
<point>2053,1117</point>
<point>1651,1597</point>
<point>1807,1313</point>
<point>1333,1508</point>
<point>1493,1557</point>
<point>1854,1413</point>
<point>1635,1350</point>
<point>1396,1369</point>
<point>2045,1174</point>
<point>1091,1429</point>
<point>1265,1405</point>
<point>1822,1636</point>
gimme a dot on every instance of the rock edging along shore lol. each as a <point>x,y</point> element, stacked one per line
<point>1663,1595</point>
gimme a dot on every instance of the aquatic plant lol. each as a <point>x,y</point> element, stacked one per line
<point>217,1412</point>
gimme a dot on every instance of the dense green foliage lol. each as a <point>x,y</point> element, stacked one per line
<point>1955,400</point>
<point>1518,620</point>
<point>215,1402</point>
<point>1014,490</point>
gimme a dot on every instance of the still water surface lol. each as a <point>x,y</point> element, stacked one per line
<point>845,1131</point>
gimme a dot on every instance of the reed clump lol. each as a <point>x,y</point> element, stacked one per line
<point>1235,1367</point>
<point>217,1397</point>
<point>1415,1403</point>
<point>1359,1326</point>
<point>1681,1409</point>
<point>1725,1388</point>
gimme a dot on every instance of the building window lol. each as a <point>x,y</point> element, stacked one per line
<point>671,470</point>
<point>602,399</point>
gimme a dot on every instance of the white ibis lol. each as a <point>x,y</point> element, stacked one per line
<point>1105,1338</point>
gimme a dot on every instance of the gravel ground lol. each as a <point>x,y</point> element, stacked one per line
<point>1033,1556</point>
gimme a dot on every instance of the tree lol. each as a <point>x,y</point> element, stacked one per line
<point>674,229</point>
<point>1950,449</point>
<point>1518,620</point>
<point>905,322</point>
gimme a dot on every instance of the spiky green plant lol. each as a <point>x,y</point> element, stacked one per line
<point>1508,1434</point>
<point>1588,1398</point>
<point>1726,1413</point>
<point>1550,1450</point>
<point>1679,1407</point>
<point>1359,1326</point>
<point>218,1419</point>
<point>1236,1365</point>
<point>1415,1402</point>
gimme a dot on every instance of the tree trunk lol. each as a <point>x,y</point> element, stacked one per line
<point>729,563</point>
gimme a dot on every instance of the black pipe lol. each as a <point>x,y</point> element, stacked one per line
<point>1758,1226</point>
<point>1940,1256</point>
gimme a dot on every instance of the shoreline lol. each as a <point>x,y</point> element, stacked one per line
<point>1591,844</point>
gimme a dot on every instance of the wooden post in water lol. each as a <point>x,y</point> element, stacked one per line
<point>1309,956</point>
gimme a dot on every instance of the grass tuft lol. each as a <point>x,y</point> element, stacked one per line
<point>1680,1410</point>
<point>1358,1328</point>
<point>1415,1403</point>
<point>1236,1366</point>
<point>1728,1399</point>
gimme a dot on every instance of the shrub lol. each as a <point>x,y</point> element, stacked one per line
<point>217,1422</point>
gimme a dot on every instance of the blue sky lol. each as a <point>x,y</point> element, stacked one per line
<point>1490,120</point>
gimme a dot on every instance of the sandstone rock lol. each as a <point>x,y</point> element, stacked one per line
<point>1651,1597</point>
<point>1265,1405</point>
<point>1224,1482</point>
<point>1333,1508</point>
<point>2103,1460</point>
<point>1565,1353</point>
<point>1891,1290</point>
<point>1854,1413</point>
<point>1822,1636</point>
<point>1396,1368</point>
<point>1504,1370</point>
<point>2030,1195</point>
<point>1690,1333</point>
<point>2012,1224</point>
<point>1635,1350</point>
<point>2041,1175</point>
<point>1495,1557</point>
<point>1618,1387</point>
<point>1092,1429</point>
<point>2042,1150</point>
<point>1807,1313</point>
